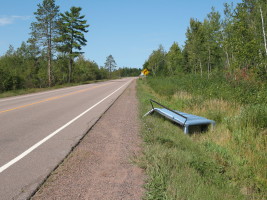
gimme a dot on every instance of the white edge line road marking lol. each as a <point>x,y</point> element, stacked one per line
<point>25,153</point>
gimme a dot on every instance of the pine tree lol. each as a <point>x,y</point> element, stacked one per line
<point>110,64</point>
<point>45,30</point>
<point>72,28</point>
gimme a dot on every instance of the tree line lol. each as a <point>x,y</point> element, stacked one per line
<point>52,55</point>
<point>233,45</point>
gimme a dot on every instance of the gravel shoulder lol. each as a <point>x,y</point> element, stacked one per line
<point>101,167</point>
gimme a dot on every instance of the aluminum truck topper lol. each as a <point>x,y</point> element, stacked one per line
<point>189,122</point>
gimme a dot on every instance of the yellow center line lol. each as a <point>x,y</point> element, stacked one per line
<point>53,98</point>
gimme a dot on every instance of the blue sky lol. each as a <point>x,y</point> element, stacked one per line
<point>127,29</point>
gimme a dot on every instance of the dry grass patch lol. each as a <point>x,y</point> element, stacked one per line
<point>181,95</point>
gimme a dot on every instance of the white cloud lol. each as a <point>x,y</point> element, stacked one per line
<point>5,20</point>
<point>11,19</point>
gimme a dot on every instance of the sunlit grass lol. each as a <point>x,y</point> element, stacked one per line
<point>225,162</point>
<point>181,95</point>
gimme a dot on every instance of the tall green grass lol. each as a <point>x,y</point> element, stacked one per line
<point>244,92</point>
<point>226,162</point>
<point>252,96</point>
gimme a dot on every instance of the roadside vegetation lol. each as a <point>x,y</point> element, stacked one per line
<point>226,162</point>
<point>220,73</point>
<point>18,92</point>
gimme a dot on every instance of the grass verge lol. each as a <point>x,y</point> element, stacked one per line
<point>12,93</point>
<point>228,162</point>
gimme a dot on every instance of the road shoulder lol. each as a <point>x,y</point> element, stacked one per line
<point>100,166</point>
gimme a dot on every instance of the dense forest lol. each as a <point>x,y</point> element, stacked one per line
<point>53,53</point>
<point>233,45</point>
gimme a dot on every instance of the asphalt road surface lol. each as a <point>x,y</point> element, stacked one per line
<point>37,131</point>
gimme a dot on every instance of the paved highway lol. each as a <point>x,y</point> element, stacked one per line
<point>37,131</point>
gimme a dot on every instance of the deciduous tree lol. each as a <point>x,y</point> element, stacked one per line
<point>174,59</point>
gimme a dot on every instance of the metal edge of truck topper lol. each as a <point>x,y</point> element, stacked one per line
<point>183,119</point>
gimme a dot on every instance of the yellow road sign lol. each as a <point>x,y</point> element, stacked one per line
<point>145,72</point>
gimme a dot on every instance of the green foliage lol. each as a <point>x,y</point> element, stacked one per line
<point>50,53</point>
<point>110,64</point>
<point>229,45</point>
<point>44,32</point>
<point>194,45</point>
<point>228,161</point>
<point>22,71</point>
<point>216,87</point>
<point>174,59</point>
<point>156,62</point>
<point>31,72</point>
<point>72,27</point>
<point>45,29</point>
<point>86,70</point>
<point>178,167</point>
<point>128,72</point>
<point>254,116</point>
